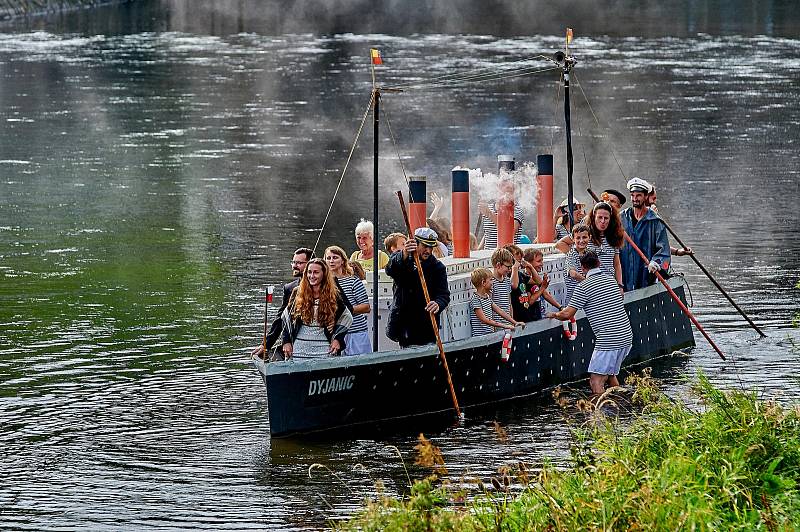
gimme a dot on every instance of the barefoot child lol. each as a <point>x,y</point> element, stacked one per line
<point>580,239</point>
<point>481,307</point>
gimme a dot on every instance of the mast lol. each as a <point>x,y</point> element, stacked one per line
<point>566,63</point>
<point>375,133</point>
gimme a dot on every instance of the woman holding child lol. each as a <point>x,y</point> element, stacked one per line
<point>605,239</point>
<point>357,340</point>
<point>316,319</point>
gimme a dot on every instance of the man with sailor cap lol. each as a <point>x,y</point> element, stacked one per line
<point>409,323</point>
<point>648,233</point>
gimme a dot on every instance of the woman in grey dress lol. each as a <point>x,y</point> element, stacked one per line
<point>316,319</point>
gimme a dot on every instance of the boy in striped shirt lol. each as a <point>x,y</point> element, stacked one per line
<point>482,308</point>
<point>503,264</point>
<point>580,239</point>
<point>600,298</point>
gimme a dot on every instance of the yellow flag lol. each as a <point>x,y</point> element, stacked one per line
<point>569,35</point>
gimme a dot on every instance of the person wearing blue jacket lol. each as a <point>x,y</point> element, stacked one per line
<point>647,231</point>
<point>409,322</point>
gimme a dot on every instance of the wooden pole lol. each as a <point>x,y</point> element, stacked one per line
<point>672,293</point>
<point>711,278</point>
<point>267,301</point>
<point>432,315</point>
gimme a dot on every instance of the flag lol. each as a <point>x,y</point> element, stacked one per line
<point>375,54</point>
<point>569,35</point>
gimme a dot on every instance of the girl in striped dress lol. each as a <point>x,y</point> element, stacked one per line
<point>357,340</point>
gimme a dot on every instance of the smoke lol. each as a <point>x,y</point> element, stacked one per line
<point>489,187</point>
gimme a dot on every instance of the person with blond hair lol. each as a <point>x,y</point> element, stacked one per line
<point>357,340</point>
<point>365,240</point>
<point>316,319</point>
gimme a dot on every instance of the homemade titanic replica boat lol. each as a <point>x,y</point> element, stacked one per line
<point>345,393</point>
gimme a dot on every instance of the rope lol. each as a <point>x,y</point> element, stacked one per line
<point>344,170</point>
<point>555,111</point>
<point>454,79</point>
<point>394,143</point>
<point>457,76</point>
<point>597,121</point>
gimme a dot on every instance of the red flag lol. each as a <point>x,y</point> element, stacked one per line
<point>375,54</point>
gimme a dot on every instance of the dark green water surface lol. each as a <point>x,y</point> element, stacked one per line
<point>159,163</point>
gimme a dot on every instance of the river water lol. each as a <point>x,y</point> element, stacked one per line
<point>160,162</point>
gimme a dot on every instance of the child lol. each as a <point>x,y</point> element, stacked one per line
<point>580,239</point>
<point>535,258</point>
<point>394,242</point>
<point>481,306</point>
<point>525,295</point>
<point>503,264</point>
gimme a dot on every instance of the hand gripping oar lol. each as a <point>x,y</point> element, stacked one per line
<point>672,293</point>
<point>711,277</point>
<point>432,315</point>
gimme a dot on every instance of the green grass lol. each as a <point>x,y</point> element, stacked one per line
<point>734,465</point>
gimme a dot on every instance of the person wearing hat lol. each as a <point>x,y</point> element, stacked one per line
<point>409,323</point>
<point>561,217</point>
<point>615,198</point>
<point>648,233</point>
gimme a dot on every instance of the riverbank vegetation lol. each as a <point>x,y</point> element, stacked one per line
<point>731,461</point>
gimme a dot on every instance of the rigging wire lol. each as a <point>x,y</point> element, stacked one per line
<point>385,113</point>
<point>444,78</point>
<point>344,170</point>
<point>462,80</point>
<point>555,110</point>
<point>597,121</point>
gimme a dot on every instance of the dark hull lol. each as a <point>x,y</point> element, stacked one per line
<point>334,394</point>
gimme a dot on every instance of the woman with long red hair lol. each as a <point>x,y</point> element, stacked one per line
<point>316,319</point>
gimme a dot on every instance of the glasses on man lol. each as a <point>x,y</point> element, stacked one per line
<point>299,262</point>
<point>508,265</point>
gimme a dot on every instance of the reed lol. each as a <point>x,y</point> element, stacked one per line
<point>733,464</point>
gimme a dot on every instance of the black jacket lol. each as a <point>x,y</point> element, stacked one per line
<point>342,321</point>
<point>409,323</point>
<point>276,328</point>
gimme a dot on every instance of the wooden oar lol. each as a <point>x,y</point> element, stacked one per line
<point>711,277</point>
<point>432,315</point>
<point>672,293</point>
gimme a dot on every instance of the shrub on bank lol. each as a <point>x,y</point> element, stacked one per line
<point>733,465</point>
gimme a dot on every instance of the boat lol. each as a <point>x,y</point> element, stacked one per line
<point>354,393</point>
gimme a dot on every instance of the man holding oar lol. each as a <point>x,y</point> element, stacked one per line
<point>648,233</point>
<point>409,323</point>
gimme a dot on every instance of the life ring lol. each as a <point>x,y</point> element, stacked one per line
<point>570,329</point>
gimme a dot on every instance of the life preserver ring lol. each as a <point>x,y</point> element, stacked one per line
<point>505,350</point>
<point>570,329</point>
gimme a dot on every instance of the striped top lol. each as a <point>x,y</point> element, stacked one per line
<point>501,296</point>
<point>485,304</point>
<point>490,229</point>
<point>356,294</point>
<point>599,296</point>
<point>561,232</point>
<point>572,262</point>
<point>606,255</point>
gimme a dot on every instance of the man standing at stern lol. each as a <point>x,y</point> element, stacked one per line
<point>600,298</point>
<point>648,233</point>
<point>409,322</point>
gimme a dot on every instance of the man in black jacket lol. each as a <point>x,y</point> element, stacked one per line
<point>409,322</point>
<point>299,261</point>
